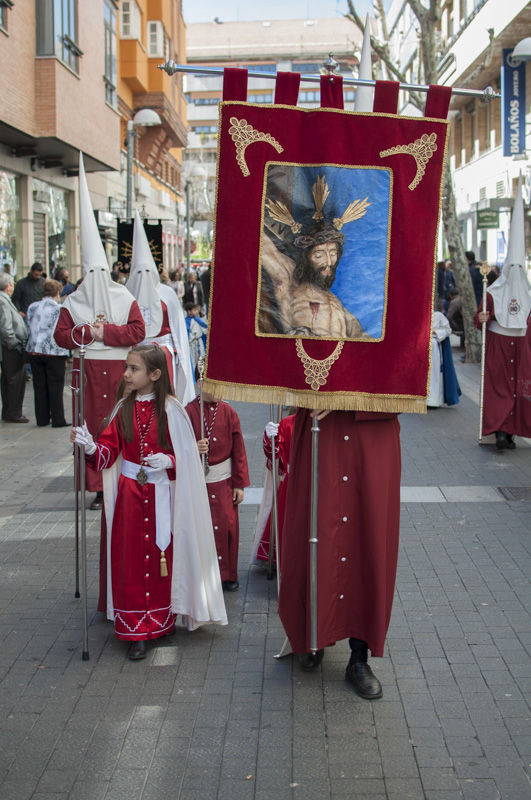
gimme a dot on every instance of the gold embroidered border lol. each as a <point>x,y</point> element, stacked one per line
<point>317,370</point>
<point>243,134</point>
<point>366,340</point>
<point>306,398</point>
<point>421,149</point>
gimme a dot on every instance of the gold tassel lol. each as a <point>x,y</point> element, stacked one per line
<point>163,565</point>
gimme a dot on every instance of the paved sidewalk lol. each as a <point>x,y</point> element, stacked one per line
<point>212,715</point>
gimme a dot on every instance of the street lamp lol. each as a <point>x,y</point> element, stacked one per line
<point>198,175</point>
<point>522,51</point>
<point>146,117</point>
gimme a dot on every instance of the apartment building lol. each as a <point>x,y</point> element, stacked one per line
<point>71,75</point>
<point>474,42</point>
<point>299,45</point>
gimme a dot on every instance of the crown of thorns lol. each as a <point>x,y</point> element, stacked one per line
<point>331,230</point>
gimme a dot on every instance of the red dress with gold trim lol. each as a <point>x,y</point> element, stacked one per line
<point>141,596</point>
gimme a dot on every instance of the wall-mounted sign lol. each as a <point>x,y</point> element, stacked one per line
<point>488,218</point>
<point>513,104</point>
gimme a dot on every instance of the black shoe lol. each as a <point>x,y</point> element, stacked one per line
<point>511,444</point>
<point>97,503</point>
<point>501,440</point>
<point>230,586</point>
<point>137,651</point>
<point>16,419</point>
<point>365,684</point>
<point>310,661</point>
<point>63,425</point>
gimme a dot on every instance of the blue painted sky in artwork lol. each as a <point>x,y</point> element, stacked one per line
<point>360,276</point>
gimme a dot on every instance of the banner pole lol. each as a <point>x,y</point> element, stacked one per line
<point>84,582</point>
<point>75,423</point>
<point>484,269</point>
<point>313,536</point>
<point>170,67</point>
<point>273,522</point>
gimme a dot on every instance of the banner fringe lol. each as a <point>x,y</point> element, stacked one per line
<point>336,401</point>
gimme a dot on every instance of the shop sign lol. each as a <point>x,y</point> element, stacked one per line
<point>488,218</point>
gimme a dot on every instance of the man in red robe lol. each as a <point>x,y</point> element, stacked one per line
<point>506,407</point>
<point>117,323</point>
<point>226,476</point>
<point>358,530</point>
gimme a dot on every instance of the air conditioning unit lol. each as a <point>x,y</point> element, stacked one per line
<point>143,186</point>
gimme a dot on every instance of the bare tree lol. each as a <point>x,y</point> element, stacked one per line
<point>428,18</point>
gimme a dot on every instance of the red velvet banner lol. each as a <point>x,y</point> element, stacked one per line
<point>325,248</point>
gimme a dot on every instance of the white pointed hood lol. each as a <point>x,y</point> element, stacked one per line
<point>365,94</point>
<point>511,293</point>
<point>98,299</point>
<point>144,281</point>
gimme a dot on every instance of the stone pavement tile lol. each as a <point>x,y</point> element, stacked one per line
<point>442,779</point>
<point>56,781</point>
<point>404,789</point>
<point>17,789</point>
<point>480,789</point>
<point>236,790</point>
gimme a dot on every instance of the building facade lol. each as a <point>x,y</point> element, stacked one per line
<point>471,40</point>
<point>71,75</point>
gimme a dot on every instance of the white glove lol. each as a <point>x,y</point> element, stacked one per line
<point>271,430</point>
<point>159,461</point>
<point>85,438</point>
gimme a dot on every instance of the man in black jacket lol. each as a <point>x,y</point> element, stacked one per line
<point>30,289</point>
<point>475,274</point>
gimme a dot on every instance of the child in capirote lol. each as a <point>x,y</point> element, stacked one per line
<point>226,475</point>
<point>160,556</point>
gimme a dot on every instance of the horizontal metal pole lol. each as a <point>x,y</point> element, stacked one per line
<point>171,68</point>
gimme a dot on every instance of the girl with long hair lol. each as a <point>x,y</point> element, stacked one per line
<point>160,558</point>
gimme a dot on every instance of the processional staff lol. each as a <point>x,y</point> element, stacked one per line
<point>484,269</point>
<point>81,474</point>
<point>273,527</point>
<point>201,371</point>
<point>75,393</point>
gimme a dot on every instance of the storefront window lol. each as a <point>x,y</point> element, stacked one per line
<point>50,218</point>
<point>9,212</point>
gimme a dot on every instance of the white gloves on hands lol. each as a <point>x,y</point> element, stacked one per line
<point>159,461</point>
<point>85,438</point>
<point>271,429</point>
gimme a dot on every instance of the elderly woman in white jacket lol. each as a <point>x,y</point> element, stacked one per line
<point>13,335</point>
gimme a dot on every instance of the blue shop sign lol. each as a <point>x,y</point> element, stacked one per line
<point>513,104</point>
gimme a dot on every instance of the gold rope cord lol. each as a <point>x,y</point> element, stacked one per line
<point>421,149</point>
<point>317,371</point>
<point>243,135</point>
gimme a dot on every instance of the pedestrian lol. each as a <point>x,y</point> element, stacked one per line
<point>193,292</point>
<point>116,322</point>
<point>63,276</point>
<point>47,359</point>
<point>358,520</point>
<point>13,336</point>
<point>29,289</point>
<point>159,559</point>
<point>506,409</point>
<point>226,475</point>
<point>205,279</point>
<point>475,275</point>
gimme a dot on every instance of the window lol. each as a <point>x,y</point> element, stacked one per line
<point>310,97</point>
<point>130,20</point>
<point>260,67</point>
<point>206,101</point>
<point>204,128</point>
<point>4,5</point>
<point>260,98</point>
<point>306,67</point>
<point>158,41</point>
<point>110,74</point>
<point>57,31</point>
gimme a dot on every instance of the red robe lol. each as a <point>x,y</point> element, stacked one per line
<point>282,449</point>
<point>358,529</point>
<point>226,441</point>
<point>507,361</point>
<point>102,377</point>
<point>141,597</point>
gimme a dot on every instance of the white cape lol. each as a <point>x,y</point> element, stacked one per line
<point>184,379</point>
<point>196,590</point>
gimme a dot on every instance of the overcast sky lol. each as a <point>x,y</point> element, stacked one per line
<point>239,10</point>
